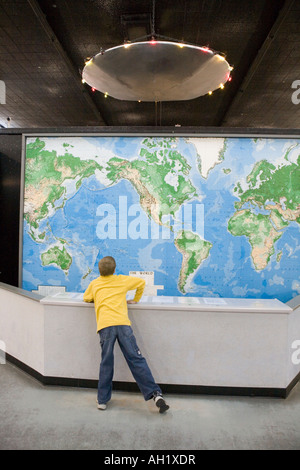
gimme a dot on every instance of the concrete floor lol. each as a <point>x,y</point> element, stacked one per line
<point>33,416</point>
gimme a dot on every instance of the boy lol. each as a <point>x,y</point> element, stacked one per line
<point>108,292</point>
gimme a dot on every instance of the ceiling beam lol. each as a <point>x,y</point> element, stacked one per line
<point>69,64</point>
<point>272,35</point>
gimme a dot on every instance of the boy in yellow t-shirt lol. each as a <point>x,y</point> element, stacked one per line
<point>108,292</point>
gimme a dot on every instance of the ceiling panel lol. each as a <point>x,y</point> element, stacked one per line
<point>44,45</point>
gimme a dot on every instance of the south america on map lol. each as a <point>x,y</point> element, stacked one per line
<point>194,216</point>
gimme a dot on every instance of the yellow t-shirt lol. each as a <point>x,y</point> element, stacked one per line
<point>109,296</point>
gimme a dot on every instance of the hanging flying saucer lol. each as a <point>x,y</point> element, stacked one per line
<point>156,71</point>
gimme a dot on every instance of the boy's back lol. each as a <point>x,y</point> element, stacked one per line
<point>109,296</point>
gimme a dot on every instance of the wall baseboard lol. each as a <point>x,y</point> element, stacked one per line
<point>166,388</point>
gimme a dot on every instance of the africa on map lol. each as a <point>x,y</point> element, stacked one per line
<point>194,216</point>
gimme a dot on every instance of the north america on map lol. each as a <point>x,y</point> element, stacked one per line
<point>195,216</point>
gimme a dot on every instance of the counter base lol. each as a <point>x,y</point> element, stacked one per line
<point>166,388</point>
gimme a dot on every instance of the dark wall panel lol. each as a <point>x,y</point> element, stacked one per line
<point>10,178</point>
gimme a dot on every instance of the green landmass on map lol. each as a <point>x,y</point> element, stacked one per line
<point>58,257</point>
<point>148,176</point>
<point>260,233</point>
<point>194,251</point>
<point>274,190</point>
<point>45,176</point>
<point>268,183</point>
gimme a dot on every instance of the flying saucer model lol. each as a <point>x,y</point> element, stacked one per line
<point>156,70</point>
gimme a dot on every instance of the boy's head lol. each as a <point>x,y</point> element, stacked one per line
<point>107,266</point>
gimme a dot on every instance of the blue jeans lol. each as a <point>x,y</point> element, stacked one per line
<point>136,362</point>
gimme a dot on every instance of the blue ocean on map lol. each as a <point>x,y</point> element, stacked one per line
<point>99,220</point>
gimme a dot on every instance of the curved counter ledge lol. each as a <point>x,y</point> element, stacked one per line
<point>208,304</point>
<point>24,293</point>
<point>193,345</point>
<point>294,303</point>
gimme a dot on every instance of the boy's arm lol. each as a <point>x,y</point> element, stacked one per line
<point>138,284</point>
<point>88,295</point>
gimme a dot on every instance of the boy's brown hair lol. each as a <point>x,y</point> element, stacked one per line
<point>107,266</point>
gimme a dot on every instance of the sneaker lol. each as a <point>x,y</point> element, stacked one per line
<point>101,406</point>
<point>160,403</point>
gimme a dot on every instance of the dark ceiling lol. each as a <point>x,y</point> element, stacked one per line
<point>44,44</point>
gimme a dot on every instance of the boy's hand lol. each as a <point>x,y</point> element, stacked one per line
<point>131,302</point>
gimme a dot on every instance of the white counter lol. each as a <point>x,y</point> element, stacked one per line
<point>209,304</point>
<point>199,345</point>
